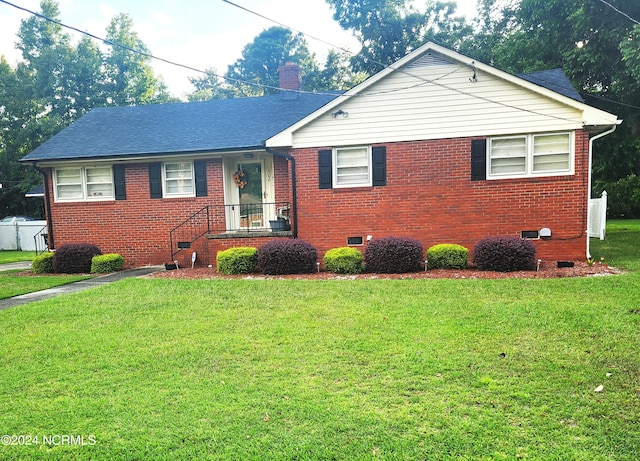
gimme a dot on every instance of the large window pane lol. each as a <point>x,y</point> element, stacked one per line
<point>352,167</point>
<point>99,182</point>
<point>69,184</point>
<point>509,156</point>
<point>551,153</point>
<point>179,178</point>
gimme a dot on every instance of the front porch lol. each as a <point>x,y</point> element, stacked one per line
<point>228,222</point>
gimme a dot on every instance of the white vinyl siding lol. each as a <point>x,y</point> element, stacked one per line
<point>178,179</point>
<point>530,155</point>
<point>436,102</point>
<point>83,183</point>
<point>352,167</point>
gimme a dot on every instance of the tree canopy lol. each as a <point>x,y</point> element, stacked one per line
<point>55,83</point>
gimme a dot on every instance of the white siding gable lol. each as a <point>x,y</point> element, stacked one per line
<point>436,96</point>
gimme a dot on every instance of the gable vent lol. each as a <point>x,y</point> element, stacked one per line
<point>429,60</point>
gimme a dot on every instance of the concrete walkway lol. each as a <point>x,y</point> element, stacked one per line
<point>71,287</point>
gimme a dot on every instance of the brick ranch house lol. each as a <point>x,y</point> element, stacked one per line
<point>437,147</point>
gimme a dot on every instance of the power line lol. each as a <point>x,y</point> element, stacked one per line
<point>286,27</point>
<point>621,12</point>
<point>259,85</point>
<point>136,51</point>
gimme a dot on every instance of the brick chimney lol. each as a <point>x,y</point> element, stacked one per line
<point>290,77</point>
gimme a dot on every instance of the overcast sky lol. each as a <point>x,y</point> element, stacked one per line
<point>196,33</point>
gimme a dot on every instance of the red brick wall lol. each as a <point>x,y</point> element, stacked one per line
<point>429,196</point>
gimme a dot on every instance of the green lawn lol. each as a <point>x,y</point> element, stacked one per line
<point>621,247</point>
<point>9,256</point>
<point>303,370</point>
<point>12,284</point>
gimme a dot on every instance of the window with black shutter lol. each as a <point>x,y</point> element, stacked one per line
<point>325,169</point>
<point>155,180</point>
<point>379,165</point>
<point>200,173</point>
<point>478,159</point>
<point>119,182</point>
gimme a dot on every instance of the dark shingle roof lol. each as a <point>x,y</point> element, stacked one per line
<point>214,125</point>
<point>555,80</point>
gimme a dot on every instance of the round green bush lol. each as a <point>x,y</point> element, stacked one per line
<point>447,256</point>
<point>344,260</point>
<point>110,262</point>
<point>238,260</point>
<point>43,263</point>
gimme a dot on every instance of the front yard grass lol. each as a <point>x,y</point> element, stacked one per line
<point>10,256</point>
<point>621,247</point>
<point>359,369</point>
<point>12,284</point>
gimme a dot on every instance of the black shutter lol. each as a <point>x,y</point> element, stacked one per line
<point>155,180</point>
<point>200,170</point>
<point>325,171</point>
<point>379,163</point>
<point>118,182</point>
<point>478,159</point>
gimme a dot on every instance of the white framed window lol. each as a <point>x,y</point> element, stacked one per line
<point>352,166</point>
<point>178,179</point>
<point>74,184</point>
<point>548,154</point>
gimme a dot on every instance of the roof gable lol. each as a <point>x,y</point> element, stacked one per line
<point>216,125</point>
<point>435,80</point>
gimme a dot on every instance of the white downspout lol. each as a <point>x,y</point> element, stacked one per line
<point>598,136</point>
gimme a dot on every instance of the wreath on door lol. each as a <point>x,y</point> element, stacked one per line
<point>240,178</point>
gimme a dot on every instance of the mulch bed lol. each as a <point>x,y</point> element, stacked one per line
<point>548,269</point>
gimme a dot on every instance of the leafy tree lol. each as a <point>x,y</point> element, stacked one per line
<point>54,84</point>
<point>389,29</point>
<point>261,59</point>
<point>208,86</point>
<point>597,48</point>
<point>130,78</point>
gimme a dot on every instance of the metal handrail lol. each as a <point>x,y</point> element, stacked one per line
<point>226,219</point>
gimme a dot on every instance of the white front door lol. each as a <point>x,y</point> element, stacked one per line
<point>249,197</point>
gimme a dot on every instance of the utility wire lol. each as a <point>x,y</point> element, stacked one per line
<point>423,79</point>
<point>140,52</point>
<point>621,12</point>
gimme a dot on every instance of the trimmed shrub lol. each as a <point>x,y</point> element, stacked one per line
<point>110,262</point>
<point>344,260</point>
<point>43,263</point>
<point>447,256</point>
<point>74,258</point>
<point>238,260</point>
<point>287,256</point>
<point>504,254</point>
<point>393,255</point>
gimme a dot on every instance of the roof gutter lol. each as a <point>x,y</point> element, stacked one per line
<point>294,189</point>
<point>47,203</point>
<point>591,140</point>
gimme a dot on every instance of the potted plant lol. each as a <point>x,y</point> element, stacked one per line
<point>280,224</point>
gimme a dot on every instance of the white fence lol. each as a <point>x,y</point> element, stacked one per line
<point>20,235</point>
<point>598,216</point>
